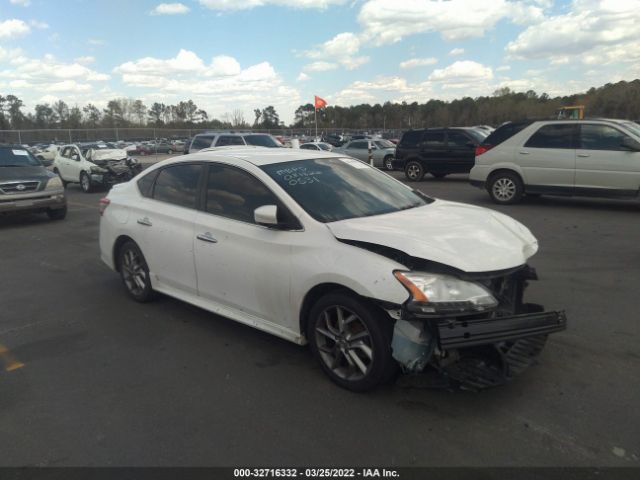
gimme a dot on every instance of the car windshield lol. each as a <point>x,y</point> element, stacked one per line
<point>632,127</point>
<point>17,157</point>
<point>384,144</point>
<point>261,141</point>
<point>324,146</point>
<point>333,189</point>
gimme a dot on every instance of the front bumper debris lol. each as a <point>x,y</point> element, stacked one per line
<point>468,333</point>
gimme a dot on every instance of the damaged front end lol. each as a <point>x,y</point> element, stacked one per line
<point>469,330</point>
<point>112,168</point>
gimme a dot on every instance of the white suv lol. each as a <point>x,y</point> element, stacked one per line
<point>581,157</point>
<point>230,139</point>
<point>320,248</point>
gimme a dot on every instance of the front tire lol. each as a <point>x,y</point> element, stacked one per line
<point>85,182</point>
<point>505,188</point>
<point>135,272</point>
<point>414,171</point>
<point>351,340</point>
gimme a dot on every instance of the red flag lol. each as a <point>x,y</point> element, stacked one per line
<point>319,102</point>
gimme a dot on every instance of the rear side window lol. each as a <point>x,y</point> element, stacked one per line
<point>201,141</point>
<point>178,185</point>
<point>411,139</point>
<point>457,138</point>
<point>601,137</point>
<point>261,141</point>
<point>553,136</point>
<point>225,140</point>
<point>359,145</point>
<point>434,139</point>
<point>504,132</point>
<point>145,184</point>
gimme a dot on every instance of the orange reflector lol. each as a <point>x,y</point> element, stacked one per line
<point>417,294</point>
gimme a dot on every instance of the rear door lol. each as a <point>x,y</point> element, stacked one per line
<point>548,159</point>
<point>603,166</point>
<point>358,149</point>
<point>165,223</point>
<point>432,150</point>
<point>460,152</point>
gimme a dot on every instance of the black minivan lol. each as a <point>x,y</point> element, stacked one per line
<point>438,151</point>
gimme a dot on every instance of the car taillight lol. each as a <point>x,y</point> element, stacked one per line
<point>104,203</point>
<point>480,149</point>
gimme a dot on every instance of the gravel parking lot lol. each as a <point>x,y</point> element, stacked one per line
<point>93,378</point>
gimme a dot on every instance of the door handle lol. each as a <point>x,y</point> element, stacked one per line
<point>524,153</point>
<point>145,221</point>
<point>206,237</point>
<point>584,155</point>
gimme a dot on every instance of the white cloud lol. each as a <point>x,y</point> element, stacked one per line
<point>503,68</point>
<point>170,9</point>
<point>462,74</point>
<point>38,24</point>
<point>47,74</point>
<point>303,77</point>
<point>86,60</point>
<point>388,21</point>
<point>22,3</point>
<point>220,86</point>
<point>418,62</point>
<point>13,28</point>
<point>320,66</point>
<point>342,49</point>
<point>457,51</point>
<point>228,5</point>
<point>593,31</point>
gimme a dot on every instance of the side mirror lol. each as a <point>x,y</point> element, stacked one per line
<point>267,215</point>
<point>631,144</point>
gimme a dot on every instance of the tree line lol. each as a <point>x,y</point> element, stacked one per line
<point>613,100</point>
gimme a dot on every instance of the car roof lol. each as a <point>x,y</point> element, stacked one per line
<point>258,156</point>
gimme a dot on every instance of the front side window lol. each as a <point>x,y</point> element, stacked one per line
<point>178,185</point>
<point>235,194</point>
<point>601,137</point>
<point>332,189</point>
<point>225,140</point>
<point>308,146</point>
<point>553,136</point>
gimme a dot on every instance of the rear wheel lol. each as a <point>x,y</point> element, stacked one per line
<point>414,171</point>
<point>388,162</point>
<point>505,188</point>
<point>352,341</point>
<point>135,272</point>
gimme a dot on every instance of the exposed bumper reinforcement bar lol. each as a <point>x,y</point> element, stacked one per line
<point>467,333</point>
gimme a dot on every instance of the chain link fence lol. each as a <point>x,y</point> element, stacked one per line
<point>61,135</point>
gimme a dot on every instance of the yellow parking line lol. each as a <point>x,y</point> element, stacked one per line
<point>10,362</point>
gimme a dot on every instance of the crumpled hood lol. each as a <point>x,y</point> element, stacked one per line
<point>469,238</point>
<point>102,156</point>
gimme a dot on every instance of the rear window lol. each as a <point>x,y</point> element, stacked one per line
<point>201,141</point>
<point>553,136</point>
<point>504,132</point>
<point>411,139</point>
<point>261,141</point>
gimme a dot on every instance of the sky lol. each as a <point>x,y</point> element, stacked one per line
<point>230,55</point>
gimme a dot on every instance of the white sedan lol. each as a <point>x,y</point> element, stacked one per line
<point>320,248</point>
